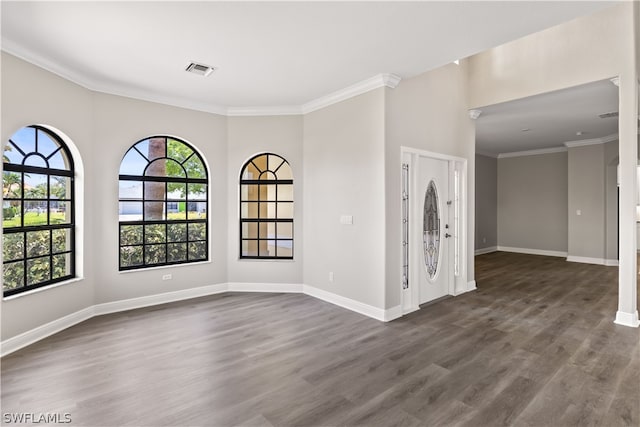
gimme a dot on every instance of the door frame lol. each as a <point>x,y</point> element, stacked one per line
<point>410,297</point>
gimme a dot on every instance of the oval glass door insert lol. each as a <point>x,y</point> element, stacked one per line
<point>431,230</point>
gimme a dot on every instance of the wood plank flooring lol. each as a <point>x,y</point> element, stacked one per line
<point>535,345</point>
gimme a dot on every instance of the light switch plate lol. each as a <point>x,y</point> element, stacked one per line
<point>346,219</point>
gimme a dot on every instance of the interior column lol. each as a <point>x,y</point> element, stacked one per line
<point>628,132</point>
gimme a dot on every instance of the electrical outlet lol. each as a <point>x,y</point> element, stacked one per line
<point>331,277</point>
<point>167,277</point>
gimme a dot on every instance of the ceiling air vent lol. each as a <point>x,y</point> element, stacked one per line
<point>608,115</point>
<point>200,69</point>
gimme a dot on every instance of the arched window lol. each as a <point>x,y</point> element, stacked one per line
<point>163,204</point>
<point>266,208</point>
<point>38,212</point>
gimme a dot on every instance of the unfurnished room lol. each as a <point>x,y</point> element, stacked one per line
<point>326,213</point>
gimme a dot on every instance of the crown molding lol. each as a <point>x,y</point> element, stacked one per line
<point>12,48</point>
<point>381,80</point>
<point>532,152</point>
<point>474,114</point>
<point>486,154</point>
<point>567,145</point>
<point>593,141</point>
<point>168,101</point>
<point>610,138</point>
<point>291,110</point>
<point>375,82</point>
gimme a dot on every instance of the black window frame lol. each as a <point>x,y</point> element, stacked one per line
<point>277,220</point>
<point>24,230</point>
<point>165,222</point>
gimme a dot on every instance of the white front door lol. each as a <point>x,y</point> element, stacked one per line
<point>431,228</point>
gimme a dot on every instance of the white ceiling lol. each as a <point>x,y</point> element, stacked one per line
<point>268,54</point>
<point>553,119</point>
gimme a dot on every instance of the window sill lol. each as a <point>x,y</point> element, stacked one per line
<point>265,260</point>
<point>160,267</point>
<point>42,289</point>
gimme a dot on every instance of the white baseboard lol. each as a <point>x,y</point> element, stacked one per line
<point>36,334</point>
<point>532,251</point>
<point>344,302</point>
<point>597,261</point>
<point>393,313</point>
<point>471,286</point>
<point>288,288</point>
<point>627,319</point>
<point>339,300</point>
<point>486,250</point>
<point>19,341</point>
<point>408,310</point>
<point>164,298</point>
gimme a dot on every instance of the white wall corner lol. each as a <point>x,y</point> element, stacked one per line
<point>34,335</point>
<point>627,319</point>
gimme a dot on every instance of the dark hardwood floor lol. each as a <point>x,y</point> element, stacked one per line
<point>535,345</point>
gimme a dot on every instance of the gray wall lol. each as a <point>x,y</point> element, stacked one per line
<point>248,136</point>
<point>586,202</point>
<point>344,175</point>
<point>118,124</point>
<point>486,202</point>
<point>580,51</point>
<point>532,202</point>
<point>539,196</point>
<point>31,95</point>
<point>427,112</point>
